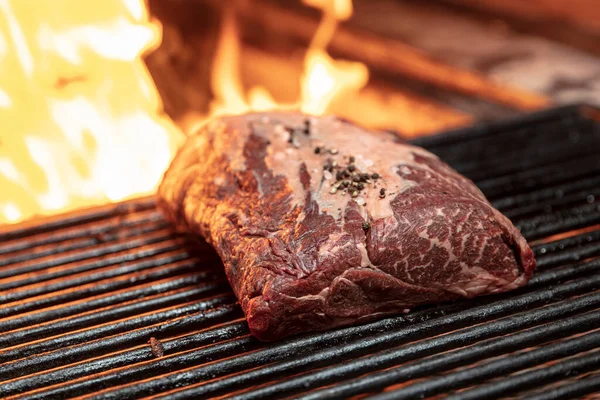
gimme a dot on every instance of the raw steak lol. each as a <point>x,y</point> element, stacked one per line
<point>320,223</point>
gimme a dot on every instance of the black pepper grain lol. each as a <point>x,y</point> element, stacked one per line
<point>317,150</point>
<point>366,226</point>
<point>382,193</point>
<point>351,159</point>
<point>360,186</point>
<point>375,175</point>
<point>307,127</point>
<point>290,130</point>
<point>351,167</point>
<point>339,175</point>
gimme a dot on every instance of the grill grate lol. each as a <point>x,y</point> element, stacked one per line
<point>82,294</point>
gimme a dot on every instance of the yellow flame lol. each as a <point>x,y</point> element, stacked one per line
<point>80,113</point>
<point>322,81</point>
<point>261,99</point>
<point>340,9</point>
<point>325,79</point>
<point>226,79</point>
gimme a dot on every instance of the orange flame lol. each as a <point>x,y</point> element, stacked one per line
<point>325,78</point>
<point>322,81</point>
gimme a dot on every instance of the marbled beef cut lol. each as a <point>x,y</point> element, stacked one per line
<point>320,223</point>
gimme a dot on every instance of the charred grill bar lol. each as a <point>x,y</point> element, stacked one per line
<point>82,294</point>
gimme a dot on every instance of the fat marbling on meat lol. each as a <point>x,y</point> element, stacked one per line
<point>320,223</point>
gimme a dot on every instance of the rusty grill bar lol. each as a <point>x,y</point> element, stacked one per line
<point>82,294</point>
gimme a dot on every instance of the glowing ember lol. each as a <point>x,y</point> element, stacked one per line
<point>81,116</point>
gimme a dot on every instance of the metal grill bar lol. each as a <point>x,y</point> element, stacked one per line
<point>582,197</point>
<point>501,160</point>
<point>548,249</point>
<point>228,348</point>
<point>538,377</point>
<point>533,179</point>
<point>493,155</point>
<point>561,274</point>
<point>511,163</point>
<point>150,318</point>
<point>459,358</point>
<point>80,296</point>
<point>498,368</point>
<point>138,337</point>
<point>547,193</point>
<point>31,228</point>
<point>85,235</point>
<point>460,136</point>
<point>95,305</point>
<point>116,269</point>
<point>112,267</point>
<point>570,391</point>
<point>559,222</point>
<point>60,261</point>
<point>90,318</point>
<point>108,286</point>
<point>592,249</point>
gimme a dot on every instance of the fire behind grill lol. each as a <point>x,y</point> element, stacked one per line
<point>82,294</point>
